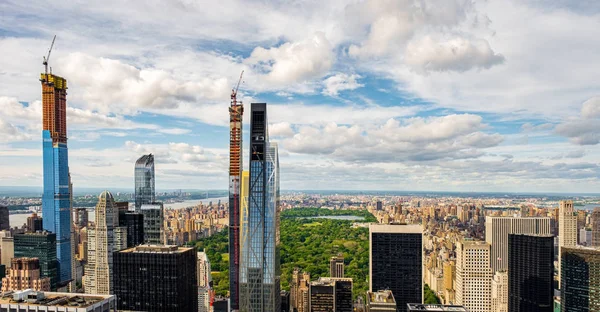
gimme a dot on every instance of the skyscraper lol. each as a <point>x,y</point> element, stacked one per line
<point>134,222</point>
<point>500,292</point>
<point>34,223</point>
<point>4,218</point>
<point>236,111</point>
<point>396,262</point>
<point>473,275</point>
<point>153,217</point>
<point>204,282</point>
<point>530,273</point>
<point>580,283</point>
<point>56,197</point>
<point>40,245</point>
<point>331,294</point>
<point>336,266</point>
<point>497,230</point>
<point>102,243</point>
<point>144,181</point>
<point>259,269</point>
<point>595,227</point>
<point>25,273</point>
<point>567,229</point>
<point>156,278</point>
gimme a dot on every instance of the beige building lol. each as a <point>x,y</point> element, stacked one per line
<point>449,269</point>
<point>34,301</point>
<point>473,275</point>
<point>567,228</point>
<point>103,240</point>
<point>336,266</point>
<point>300,291</point>
<point>25,273</point>
<point>500,292</point>
<point>7,246</point>
<point>498,228</point>
<point>595,221</point>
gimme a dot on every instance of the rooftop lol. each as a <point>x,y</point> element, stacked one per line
<point>43,298</point>
<point>382,296</point>
<point>396,228</point>
<point>156,249</point>
<point>434,307</point>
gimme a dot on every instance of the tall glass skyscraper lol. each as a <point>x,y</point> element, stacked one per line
<point>144,181</point>
<point>259,269</point>
<point>56,199</point>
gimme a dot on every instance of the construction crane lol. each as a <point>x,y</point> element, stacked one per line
<point>47,58</point>
<point>234,91</point>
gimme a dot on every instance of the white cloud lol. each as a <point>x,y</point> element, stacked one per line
<point>584,130</point>
<point>10,133</point>
<point>340,82</point>
<point>281,129</point>
<point>591,108</point>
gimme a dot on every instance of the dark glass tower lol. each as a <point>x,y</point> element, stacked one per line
<point>396,262</point>
<point>56,199</point>
<point>580,283</point>
<point>530,273</point>
<point>259,268</point>
<point>156,278</point>
<point>134,222</point>
<point>41,245</point>
<point>4,215</point>
<point>144,181</point>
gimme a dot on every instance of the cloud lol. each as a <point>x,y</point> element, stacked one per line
<point>454,54</point>
<point>294,61</point>
<point>281,129</point>
<point>340,82</point>
<point>591,108</point>
<point>10,133</point>
<point>584,130</point>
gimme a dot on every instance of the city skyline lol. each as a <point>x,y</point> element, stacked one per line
<point>352,107</point>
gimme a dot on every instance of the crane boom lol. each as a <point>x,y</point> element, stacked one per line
<point>47,58</point>
<point>238,85</point>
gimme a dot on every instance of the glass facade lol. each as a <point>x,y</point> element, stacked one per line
<point>41,245</point>
<point>153,216</point>
<point>580,283</point>
<point>144,181</point>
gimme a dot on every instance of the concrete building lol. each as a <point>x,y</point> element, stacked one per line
<point>567,229</point>
<point>34,223</point>
<point>381,301</point>
<point>25,273</point>
<point>33,301</point>
<point>580,283</point>
<point>473,275</point>
<point>396,261</point>
<point>497,230</point>
<point>153,223</point>
<point>156,278</point>
<point>415,307</point>
<point>7,247</point>
<point>500,292</point>
<point>299,291</point>
<point>336,266</point>
<point>204,282</point>
<point>40,245</point>
<point>595,222</point>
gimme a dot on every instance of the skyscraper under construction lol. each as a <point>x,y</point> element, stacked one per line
<point>56,199</point>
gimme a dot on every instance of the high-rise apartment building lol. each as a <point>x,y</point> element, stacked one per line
<point>4,218</point>
<point>156,278</point>
<point>567,229</point>
<point>530,273</point>
<point>449,272</point>
<point>595,221</point>
<point>580,283</point>
<point>153,217</point>
<point>336,266</point>
<point>500,292</point>
<point>80,216</point>
<point>497,230</point>
<point>473,275</point>
<point>144,181</point>
<point>204,282</point>
<point>56,199</point>
<point>381,301</point>
<point>259,262</point>
<point>299,291</point>
<point>396,261</point>
<point>25,273</point>
<point>103,241</point>
<point>40,245</point>
<point>34,223</point>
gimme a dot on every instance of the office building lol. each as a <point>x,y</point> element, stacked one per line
<point>595,221</point>
<point>259,261</point>
<point>204,282</point>
<point>381,301</point>
<point>473,275</point>
<point>144,181</point>
<point>103,240</point>
<point>497,230</point>
<point>236,112</point>
<point>331,294</point>
<point>153,217</point>
<point>56,199</point>
<point>336,266</point>
<point>40,245</point>
<point>7,248</point>
<point>156,278</point>
<point>134,223</point>
<point>4,218</point>
<point>34,223</point>
<point>567,228</point>
<point>500,292</point>
<point>580,283</point>
<point>530,273</point>
<point>221,305</point>
<point>25,273</point>
<point>33,301</point>
<point>415,307</point>
<point>81,216</point>
<point>285,301</point>
<point>396,261</point>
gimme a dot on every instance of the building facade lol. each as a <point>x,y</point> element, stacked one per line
<point>4,218</point>
<point>34,301</point>
<point>34,223</point>
<point>336,266</point>
<point>331,294</point>
<point>56,199</point>
<point>530,273</point>
<point>204,283</point>
<point>473,276</point>
<point>134,222</point>
<point>153,216</point>
<point>40,245</point>
<point>595,222</point>
<point>381,301</point>
<point>567,229</point>
<point>580,283</point>
<point>396,262</point>
<point>24,273</point>
<point>500,292</point>
<point>259,268</point>
<point>144,181</point>
<point>156,278</point>
<point>497,230</point>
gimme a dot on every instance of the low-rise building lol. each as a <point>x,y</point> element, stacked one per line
<point>33,301</point>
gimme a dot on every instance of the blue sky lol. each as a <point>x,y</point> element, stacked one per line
<point>450,95</point>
